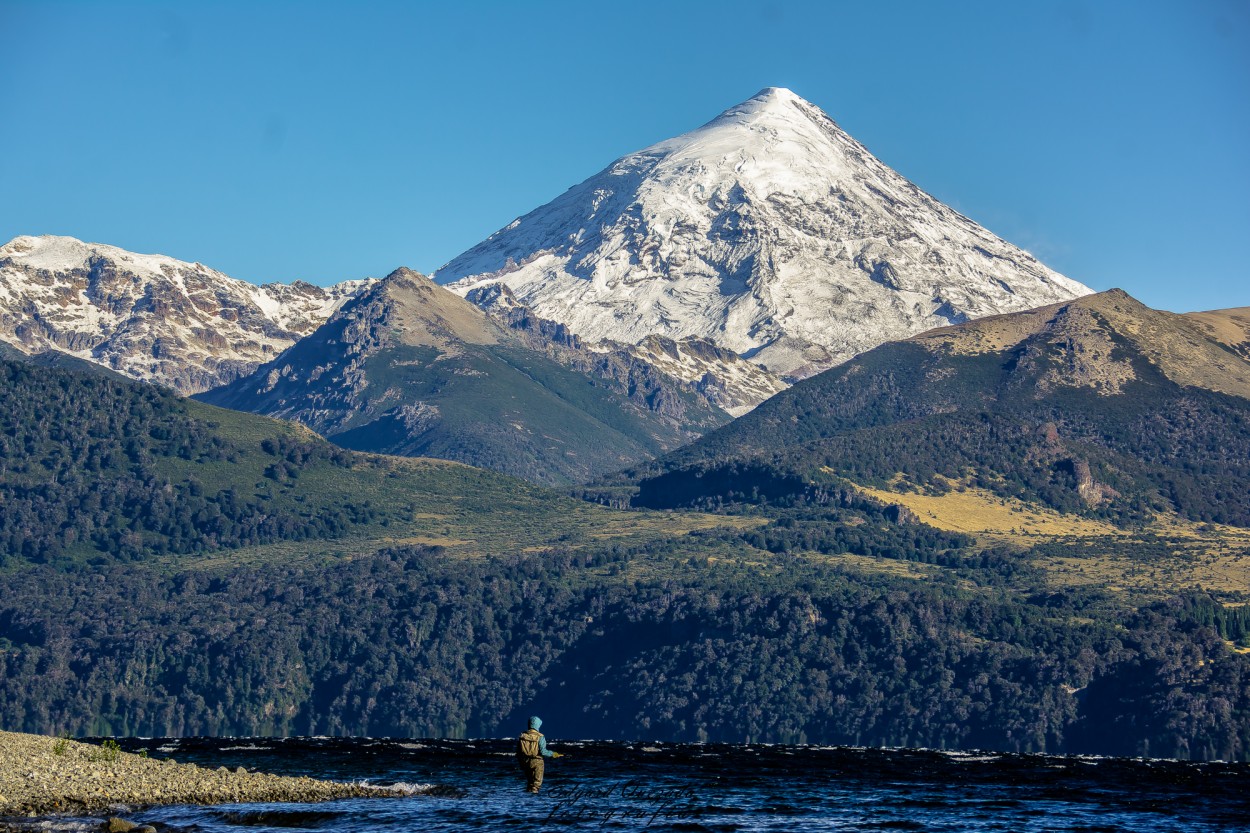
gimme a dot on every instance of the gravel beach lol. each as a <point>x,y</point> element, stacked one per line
<point>43,776</point>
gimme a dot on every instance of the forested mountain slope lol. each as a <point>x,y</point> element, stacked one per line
<point>96,469</point>
<point>1099,406</point>
<point>626,644</point>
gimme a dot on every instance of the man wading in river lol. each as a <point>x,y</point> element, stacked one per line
<point>531,748</point>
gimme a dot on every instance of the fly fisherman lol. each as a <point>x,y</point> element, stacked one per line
<point>530,751</point>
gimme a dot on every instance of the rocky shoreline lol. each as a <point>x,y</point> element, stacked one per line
<point>42,776</point>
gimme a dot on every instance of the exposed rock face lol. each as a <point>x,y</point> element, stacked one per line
<point>900,514</point>
<point>728,381</point>
<point>1090,490</point>
<point>151,317</point>
<point>769,232</point>
<point>648,369</point>
<point>323,381</point>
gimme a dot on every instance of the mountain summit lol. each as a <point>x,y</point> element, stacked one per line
<point>768,231</point>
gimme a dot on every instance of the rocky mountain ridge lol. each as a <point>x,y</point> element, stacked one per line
<point>1093,341</point>
<point>151,317</point>
<point>408,367</point>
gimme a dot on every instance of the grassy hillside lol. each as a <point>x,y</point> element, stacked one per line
<point>1229,327</point>
<point>1150,562</point>
<point>501,408</point>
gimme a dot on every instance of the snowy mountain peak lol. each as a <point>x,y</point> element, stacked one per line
<point>53,253</point>
<point>768,231</point>
<point>769,99</point>
<point>757,142</point>
<point>769,94</point>
<point>151,317</point>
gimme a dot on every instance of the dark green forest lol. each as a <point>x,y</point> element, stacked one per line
<point>105,469</point>
<point>411,643</point>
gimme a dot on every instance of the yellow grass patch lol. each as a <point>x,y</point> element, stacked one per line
<point>1150,579</point>
<point>469,535</point>
<point>875,566</point>
<point>1209,556</point>
<point>977,511</point>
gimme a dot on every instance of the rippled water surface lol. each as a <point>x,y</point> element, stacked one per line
<point>475,785</point>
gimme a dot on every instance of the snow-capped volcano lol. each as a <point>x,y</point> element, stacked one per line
<point>151,317</point>
<point>768,231</point>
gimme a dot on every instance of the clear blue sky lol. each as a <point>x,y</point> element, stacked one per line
<point>323,141</point>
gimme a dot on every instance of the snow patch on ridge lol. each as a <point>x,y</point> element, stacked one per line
<point>151,317</point>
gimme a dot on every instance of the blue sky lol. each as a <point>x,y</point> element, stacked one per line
<point>322,141</point>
